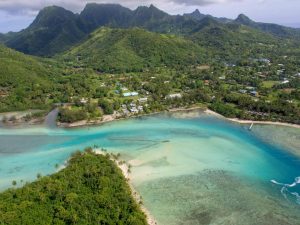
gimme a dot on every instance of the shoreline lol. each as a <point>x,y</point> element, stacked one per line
<point>239,121</point>
<point>264,123</point>
<point>112,118</point>
<point>126,173</point>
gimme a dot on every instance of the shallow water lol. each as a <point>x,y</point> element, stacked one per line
<point>190,168</point>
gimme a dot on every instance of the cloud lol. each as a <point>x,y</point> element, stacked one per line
<point>204,2</point>
<point>31,7</point>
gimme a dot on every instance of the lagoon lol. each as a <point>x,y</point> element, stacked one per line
<point>189,167</point>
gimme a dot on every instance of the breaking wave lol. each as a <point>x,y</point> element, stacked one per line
<point>285,189</point>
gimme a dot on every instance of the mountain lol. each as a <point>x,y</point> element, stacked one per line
<point>2,38</point>
<point>97,15</point>
<point>245,20</point>
<point>207,21</point>
<point>54,29</point>
<point>274,29</point>
<point>6,37</point>
<point>23,80</point>
<point>195,15</point>
<point>119,50</point>
<point>232,42</point>
<point>144,15</point>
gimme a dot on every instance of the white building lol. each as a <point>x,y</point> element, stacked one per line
<point>83,101</point>
<point>174,96</point>
<point>134,110</point>
<point>130,94</point>
<point>285,82</point>
<point>143,100</point>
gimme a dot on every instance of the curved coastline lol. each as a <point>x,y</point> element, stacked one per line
<point>110,118</point>
<point>125,170</point>
<point>236,120</point>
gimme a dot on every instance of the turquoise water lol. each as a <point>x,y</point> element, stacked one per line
<point>190,168</point>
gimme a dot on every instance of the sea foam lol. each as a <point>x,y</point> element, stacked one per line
<point>285,189</point>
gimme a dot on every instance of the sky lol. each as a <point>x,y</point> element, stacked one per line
<point>18,14</point>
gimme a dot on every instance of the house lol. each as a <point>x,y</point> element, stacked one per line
<point>230,65</point>
<point>280,71</point>
<point>243,91</point>
<point>125,111</point>
<point>130,94</point>
<point>268,61</point>
<point>134,110</point>
<point>140,108</point>
<point>254,93</point>
<point>171,96</point>
<point>83,101</point>
<point>285,82</point>
<point>143,100</point>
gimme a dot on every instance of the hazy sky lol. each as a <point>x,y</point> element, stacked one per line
<point>18,14</point>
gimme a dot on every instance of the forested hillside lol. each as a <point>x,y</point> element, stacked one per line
<point>120,50</point>
<point>91,190</point>
<point>24,80</point>
<point>233,42</point>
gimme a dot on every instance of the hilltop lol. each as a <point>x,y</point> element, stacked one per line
<point>120,50</point>
<point>232,42</point>
<point>274,29</point>
<point>54,29</point>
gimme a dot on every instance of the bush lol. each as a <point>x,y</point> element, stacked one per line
<point>71,116</point>
<point>106,106</point>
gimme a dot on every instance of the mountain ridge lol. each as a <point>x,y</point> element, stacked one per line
<point>56,29</point>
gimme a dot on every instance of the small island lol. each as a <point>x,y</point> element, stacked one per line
<point>90,190</point>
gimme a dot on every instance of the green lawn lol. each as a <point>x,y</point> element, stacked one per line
<point>269,84</point>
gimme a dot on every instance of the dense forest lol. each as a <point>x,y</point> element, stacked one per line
<point>90,190</point>
<point>133,50</point>
<point>25,81</point>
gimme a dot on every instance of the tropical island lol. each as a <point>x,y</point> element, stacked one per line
<point>91,189</point>
<point>187,73</point>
